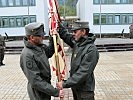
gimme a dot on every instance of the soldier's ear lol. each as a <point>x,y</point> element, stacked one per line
<point>83,31</point>
<point>31,37</point>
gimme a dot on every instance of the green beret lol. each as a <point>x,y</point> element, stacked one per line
<point>35,29</point>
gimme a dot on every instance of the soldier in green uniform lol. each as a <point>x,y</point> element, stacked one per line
<point>2,49</point>
<point>35,65</point>
<point>131,31</point>
<point>83,61</point>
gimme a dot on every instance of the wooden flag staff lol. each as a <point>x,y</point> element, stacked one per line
<point>57,59</point>
<point>53,27</point>
<point>56,48</point>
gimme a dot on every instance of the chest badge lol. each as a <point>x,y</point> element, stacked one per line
<point>75,55</point>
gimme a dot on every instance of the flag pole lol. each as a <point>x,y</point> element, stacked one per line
<point>56,48</point>
<point>57,58</point>
<point>57,61</point>
<point>55,44</point>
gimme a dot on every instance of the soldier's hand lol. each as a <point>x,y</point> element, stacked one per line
<point>53,32</point>
<point>61,94</point>
<point>59,85</point>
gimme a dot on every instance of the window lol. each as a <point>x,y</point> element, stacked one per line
<point>96,1</point>
<point>103,1</point>
<point>103,19</point>
<point>18,2</point>
<point>3,2</point>
<point>117,19</point>
<point>110,19</point>
<point>25,2</point>
<point>0,21</point>
<point>11,22</point>
<point>32,2</point>
<point>18,21</point>
<point>124,1</point>
<point>25,20</point>
<point>110,1</point>
<point>113,19</point>
<point>130,19</point>
<point>5,22</point>
<point>117,1</point>
<point>32,19</point>
<point>113,1</point>
<point>10,2</point>
<point>124,19</point>
<point>131,1</point>
<point>96,19</point>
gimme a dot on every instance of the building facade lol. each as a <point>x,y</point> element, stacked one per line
<point>15,14</point>
<point>106,16</point>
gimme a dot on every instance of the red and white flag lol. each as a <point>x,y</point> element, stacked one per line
<point>54,18</point>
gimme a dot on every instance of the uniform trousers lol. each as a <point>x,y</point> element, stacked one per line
<point>83,95</point>
<point>1,55</point>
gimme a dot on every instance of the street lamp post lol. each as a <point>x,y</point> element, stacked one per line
<point>64,8</point>
<point>100,20</point>
<point>28,12</point>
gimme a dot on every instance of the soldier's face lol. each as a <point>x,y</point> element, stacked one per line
<point>37,40</point>
<point>77,34</point>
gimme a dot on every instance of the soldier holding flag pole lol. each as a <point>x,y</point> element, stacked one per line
<point>84,59</point>
<point>35,65</point>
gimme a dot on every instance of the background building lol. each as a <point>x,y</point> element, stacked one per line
<point>106,16</point>
<point>15,14</point>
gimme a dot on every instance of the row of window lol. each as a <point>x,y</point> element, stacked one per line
<point>113,1</point>
<point>16,21</point>
<point>112,19</point>
<point>14,3</point>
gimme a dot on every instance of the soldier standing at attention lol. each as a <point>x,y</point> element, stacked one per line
<point>131,31</point>
<point>2,49</point>
<point>35,65</point>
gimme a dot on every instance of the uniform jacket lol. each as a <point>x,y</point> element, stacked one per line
<point>35,65</point>
<point>2,42</point>
<point>83,62</point>
<point>131,28</point>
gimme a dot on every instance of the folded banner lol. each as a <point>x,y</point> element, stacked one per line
<point>58,60</point>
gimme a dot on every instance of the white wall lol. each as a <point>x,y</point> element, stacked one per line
<point>40,10</point>
<point>112,9</point>
<point>119,8</point>
<point>42,13</point>
<point>111,29</point>
<point>12,31</point>
<point>86,10</point>
<point>15,11</point>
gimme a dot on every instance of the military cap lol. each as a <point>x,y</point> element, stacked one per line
<point>80,25</point>
<point>35,29</point>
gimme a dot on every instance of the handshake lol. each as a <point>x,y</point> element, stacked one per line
<point>60,87</point>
